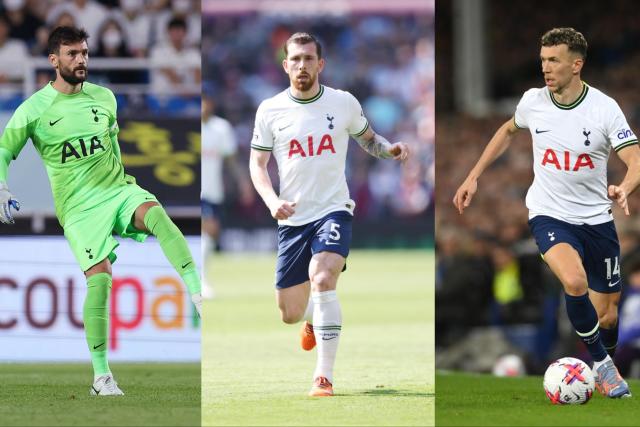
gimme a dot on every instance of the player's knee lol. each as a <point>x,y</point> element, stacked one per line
<point>575,284</point>
<point>322,281</point>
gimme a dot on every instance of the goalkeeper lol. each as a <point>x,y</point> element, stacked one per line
<point>73,126</point>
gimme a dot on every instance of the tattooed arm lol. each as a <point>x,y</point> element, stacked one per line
<point>379,147</point>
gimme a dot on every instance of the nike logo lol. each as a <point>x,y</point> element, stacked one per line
<point>283,128</point>
<point>184,266</point>
<point>613,284</point>
<point>53,123</point>
<point>327,339</point>
<point>542,131</point>
<point>96,346</point>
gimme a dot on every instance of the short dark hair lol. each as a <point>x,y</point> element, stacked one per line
<point>303,38</point>
<point>65,36</point>
<point>177,22</point>
<point>574,40</point>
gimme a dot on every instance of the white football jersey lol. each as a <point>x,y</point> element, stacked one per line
<point>309,141</point>
<point>571,146</point>
<point>218,142</point>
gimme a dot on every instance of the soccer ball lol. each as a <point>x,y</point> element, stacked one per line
<point>568,381</point>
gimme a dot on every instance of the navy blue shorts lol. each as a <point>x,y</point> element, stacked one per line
<point>297,244</point>
<point>210,210</point>
<point>597,245</point>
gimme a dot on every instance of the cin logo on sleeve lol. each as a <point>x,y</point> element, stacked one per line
<point>624,133</point>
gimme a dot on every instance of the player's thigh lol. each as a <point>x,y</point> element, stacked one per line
<point>294,255</point>
<point>133,203</point>
<point>330,247</point>
<point>566,264</point>
<point>561,246</point>
<point>293,301</point>
<point>90,235</point>
<point>606,305</point>
<point>324,270</point>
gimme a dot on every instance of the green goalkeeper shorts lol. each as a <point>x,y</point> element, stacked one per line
<point>89,231</point>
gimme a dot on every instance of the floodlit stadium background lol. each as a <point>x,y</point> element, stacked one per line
<point>494,295</point>
<point>158,91</point>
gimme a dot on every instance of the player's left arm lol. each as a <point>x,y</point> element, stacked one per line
<point>630,155</point>
<point>378,146</point>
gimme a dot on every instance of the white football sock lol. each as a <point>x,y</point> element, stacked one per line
<point>327,323</point>
<point>308,313</point>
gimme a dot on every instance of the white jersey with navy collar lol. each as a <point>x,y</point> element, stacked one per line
<point>309,139</point>
<point>571,146</point>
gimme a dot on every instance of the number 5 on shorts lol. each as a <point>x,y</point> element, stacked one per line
<point>334,234</point>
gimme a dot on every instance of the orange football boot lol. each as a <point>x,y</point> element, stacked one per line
<point>321,388</point>
<point>307,339</point>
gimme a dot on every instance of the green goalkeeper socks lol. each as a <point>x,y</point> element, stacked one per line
<point>174,246</point>
<point>96,320</point>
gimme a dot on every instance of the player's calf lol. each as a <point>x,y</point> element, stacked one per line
<point>175,248</point>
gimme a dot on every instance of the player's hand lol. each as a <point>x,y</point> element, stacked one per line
<point>6,203</point>
<point>282,209</point>
<point>465,193</point>
<point>399,151</point>
<point>619,195</point>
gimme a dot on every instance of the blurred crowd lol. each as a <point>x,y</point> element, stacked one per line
<point>385,61</point>
<point>165,34</point>
<point>488,263</point>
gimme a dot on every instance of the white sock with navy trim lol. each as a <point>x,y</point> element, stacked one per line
<point>327,324</point>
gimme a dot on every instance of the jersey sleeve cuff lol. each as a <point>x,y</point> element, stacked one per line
<point>516,124</point>
<point>261,148</point>
<point>626,144</point>
<point>362,131</point>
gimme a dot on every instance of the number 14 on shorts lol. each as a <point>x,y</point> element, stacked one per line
<point>616,269</point>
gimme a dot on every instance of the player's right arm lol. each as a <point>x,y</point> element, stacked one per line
<point>13,139</point>
<point>498,144</point>
<point>6,198</point>
<point>280,209</point>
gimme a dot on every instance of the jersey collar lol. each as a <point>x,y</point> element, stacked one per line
<point>306,101</point>
<point>54,91</point>
<point>574,104</point>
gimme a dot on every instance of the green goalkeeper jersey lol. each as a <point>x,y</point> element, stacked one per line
<point>76,136</point>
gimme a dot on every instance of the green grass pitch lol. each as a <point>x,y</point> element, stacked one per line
<point>485,400</point>
<point>58,395</point>
<point>255,373</point>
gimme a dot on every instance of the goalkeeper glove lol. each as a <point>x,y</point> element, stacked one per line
<point>6,203</point>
